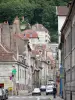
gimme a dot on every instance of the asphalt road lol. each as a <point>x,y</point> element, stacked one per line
<point>42,97</point>
<point>30,98</point>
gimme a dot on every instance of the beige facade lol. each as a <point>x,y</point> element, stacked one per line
<point>17,49</point>
<point>30,67</point>
<point>68,50</point>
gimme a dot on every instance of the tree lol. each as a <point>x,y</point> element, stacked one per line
<point>41,11</point>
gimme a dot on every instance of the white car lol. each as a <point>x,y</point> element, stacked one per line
<point>36,91</point>
<point>49,89</point>
<point>43,88</point>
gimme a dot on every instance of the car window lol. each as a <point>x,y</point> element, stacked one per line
<point>49,87</point>
<point>36,89</point>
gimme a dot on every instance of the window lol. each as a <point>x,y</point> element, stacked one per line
<point>46,40</point>
<point>23,74</point>
<point>14,43</point>
<point>20,73</point>
<point>65,48</point>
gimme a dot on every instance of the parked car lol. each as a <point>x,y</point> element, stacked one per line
<point>43,88</point>
<point>49,89</point>
<point>2,94</point>
<point>36,91</point>
<point>5,93</point>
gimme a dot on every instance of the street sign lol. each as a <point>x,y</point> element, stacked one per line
<point>14,71</point>
<point>62,75</point>
<point>10,77</point>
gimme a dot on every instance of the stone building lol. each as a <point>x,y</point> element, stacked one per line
<point>43,34</point>
<point>12,52</point>
<point>68,53</point>
<point>61,12</point>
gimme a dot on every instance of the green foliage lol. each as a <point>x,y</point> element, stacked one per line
<point>41,11</point>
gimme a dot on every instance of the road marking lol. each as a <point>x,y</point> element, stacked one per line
<point>30,97</point>
<point>17,97</point>
<point>38,98</point>
<point>51,98</point>
<point>24,97</point>
<point>10,97</point>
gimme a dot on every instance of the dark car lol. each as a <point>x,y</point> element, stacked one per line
<point>43,88</point>
<point>5,93</point>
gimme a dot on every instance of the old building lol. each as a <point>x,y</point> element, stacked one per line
<point>61,12</point>
<point>43,34</point>
<point>15,51</point>
<point>68,51</point>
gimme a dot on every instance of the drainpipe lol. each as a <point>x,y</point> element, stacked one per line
<point>18,81</point>
<point>71,64</point>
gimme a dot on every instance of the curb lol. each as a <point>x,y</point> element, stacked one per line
<point>28,94</point>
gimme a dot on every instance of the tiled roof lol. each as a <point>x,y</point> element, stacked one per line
<point>27,34</point>
<point>62,10</point>
<point>5,55</point>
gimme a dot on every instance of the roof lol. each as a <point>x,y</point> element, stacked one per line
<point>21,36</point>
<point>70,10</point>
<point>39,27</point>
<point>5,55</point>
<point>27,34</point>
<point>62,10</point>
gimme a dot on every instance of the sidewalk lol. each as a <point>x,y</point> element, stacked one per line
<point>57,98</point>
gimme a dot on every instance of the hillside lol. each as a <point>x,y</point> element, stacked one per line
<point>41,11</point>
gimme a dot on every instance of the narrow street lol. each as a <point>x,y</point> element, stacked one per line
<point>30,98</point>
<point>50,97</point>
<point>37,49</point>
<point>42,97</point>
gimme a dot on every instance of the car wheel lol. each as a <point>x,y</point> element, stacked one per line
<point>32,94</point>
<point>40,94</point>
<point>46,93</point>
<point>6,97</point>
